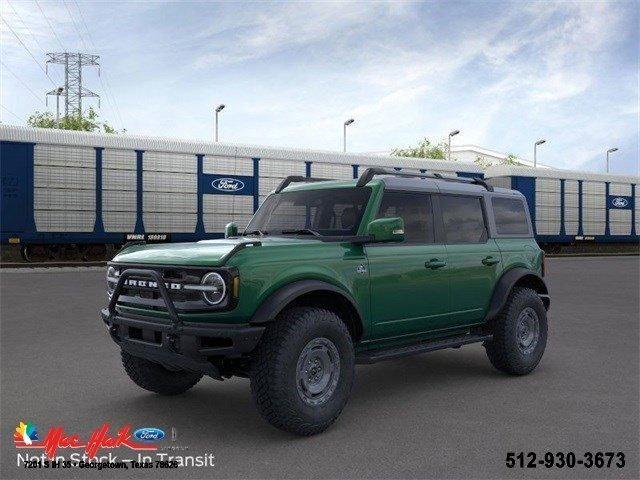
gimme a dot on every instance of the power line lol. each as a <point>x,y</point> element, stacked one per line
<point>50,26</point>
<point>23,82</point>
<point>29,51</point>
<point>35,39</point>
<point>108,91</point>
<point>9,111</point>
<point>86,47</point>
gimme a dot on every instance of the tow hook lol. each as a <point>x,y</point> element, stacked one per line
<point>172,341</point>
<point>113,331</point>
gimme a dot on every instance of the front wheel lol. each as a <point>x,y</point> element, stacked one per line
<point>157,378</point>
<point>302,370</point>
<point>519,333</point>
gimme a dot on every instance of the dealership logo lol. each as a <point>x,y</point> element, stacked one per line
<point>620,202</point>
<point>228,184</point>
<point>26,436</point>
<point>149,434</point>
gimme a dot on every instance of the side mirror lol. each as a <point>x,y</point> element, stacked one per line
<point>386,230</point>
<point>230,230</point>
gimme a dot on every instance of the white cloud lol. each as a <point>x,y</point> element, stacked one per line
<point>271,28</point>
<point>292,72</point>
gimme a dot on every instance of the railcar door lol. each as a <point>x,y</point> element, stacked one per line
<point>15,162</point>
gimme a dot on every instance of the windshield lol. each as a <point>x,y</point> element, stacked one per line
<point>333,211</point>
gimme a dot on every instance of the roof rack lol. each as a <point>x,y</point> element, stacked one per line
<point>369,173</point>
<point>297,179</point>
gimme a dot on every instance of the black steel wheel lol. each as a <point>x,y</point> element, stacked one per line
<point>519,333</point>
<point>302,370</point>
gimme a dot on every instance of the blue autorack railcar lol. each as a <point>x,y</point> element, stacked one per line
<point>79,195</point>
<point>568,206</point>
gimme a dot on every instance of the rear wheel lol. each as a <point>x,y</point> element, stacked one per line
<point>302,370</point>
<point>156,378</point>
<point>519,333</point>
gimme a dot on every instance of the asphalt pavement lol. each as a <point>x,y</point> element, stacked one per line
<point>445,414</point>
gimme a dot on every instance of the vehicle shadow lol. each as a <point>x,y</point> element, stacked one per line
<point>378,388</point>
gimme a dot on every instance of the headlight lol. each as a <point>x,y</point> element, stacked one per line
<point>112,278</point>
<point>213,288</point>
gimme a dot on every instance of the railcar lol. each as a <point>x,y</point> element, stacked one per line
<point>78,195</point>
<point>572,209</point>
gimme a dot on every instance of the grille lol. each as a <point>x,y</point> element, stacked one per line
<point>142,292</point>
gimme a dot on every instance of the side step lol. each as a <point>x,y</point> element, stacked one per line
<point>374,356</point>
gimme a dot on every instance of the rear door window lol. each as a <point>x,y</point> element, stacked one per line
<point>463,219</point>
<point>511,216</point>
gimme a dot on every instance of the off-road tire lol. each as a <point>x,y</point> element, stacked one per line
<point>503,350</point>
<point>275,362</point>
<point>156,378</point>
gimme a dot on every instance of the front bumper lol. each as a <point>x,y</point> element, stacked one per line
<point>189,347</point>
<point>172,342</point>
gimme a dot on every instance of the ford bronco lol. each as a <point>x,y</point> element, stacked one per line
<point>329,274</point>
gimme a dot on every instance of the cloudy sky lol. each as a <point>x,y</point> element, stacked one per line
<point>504,73</point>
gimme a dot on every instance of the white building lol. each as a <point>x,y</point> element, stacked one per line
<point>471,153</point>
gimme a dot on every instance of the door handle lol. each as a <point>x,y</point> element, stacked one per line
<point>488,261</point>
<point>435,263</point>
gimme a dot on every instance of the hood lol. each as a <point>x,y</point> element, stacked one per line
<point>205,252</point>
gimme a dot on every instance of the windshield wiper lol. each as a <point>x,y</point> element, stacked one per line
<point>301,231</point>
<point>255,232</point>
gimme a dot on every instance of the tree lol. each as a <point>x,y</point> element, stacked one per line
<point>512,159</point>
<point>424,149</point>
<point>88,123</point>
<point>482,161</point>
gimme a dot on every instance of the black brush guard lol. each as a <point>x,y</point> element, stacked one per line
<point>175,344</point>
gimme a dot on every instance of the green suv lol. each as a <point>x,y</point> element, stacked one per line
<point>329,274</point>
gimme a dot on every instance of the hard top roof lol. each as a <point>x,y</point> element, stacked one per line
<point>413,184</point>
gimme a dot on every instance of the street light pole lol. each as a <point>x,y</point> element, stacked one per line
<point>611,150</point>
<point>451,134</point>
<point>219,108</point>
<point>344,133</point>
<point>535,151</point>
<point>59,90</point>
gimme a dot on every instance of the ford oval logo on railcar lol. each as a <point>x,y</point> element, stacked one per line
<point>620,202</point>
<point>149,434</point>
<point>228,184</point>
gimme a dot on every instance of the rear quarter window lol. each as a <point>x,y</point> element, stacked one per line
<point>511,216</point>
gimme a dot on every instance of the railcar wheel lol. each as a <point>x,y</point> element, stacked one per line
<point>36,253</point>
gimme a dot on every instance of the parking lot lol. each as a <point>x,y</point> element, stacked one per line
<point>446,414</point>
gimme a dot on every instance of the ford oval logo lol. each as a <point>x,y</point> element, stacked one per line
<point>620,202</point>
<point>149,434</point>
<point>228,184</point>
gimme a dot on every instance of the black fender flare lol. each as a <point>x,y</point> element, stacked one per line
<point>278,300</point>
<point>506,283</point>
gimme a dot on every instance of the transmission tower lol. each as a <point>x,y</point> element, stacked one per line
<point>74,91</point>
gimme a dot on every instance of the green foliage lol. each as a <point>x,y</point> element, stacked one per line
<point>482,161</point>
<point>512,159</point>
<point>424,149</point>
<point>86,123</point>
